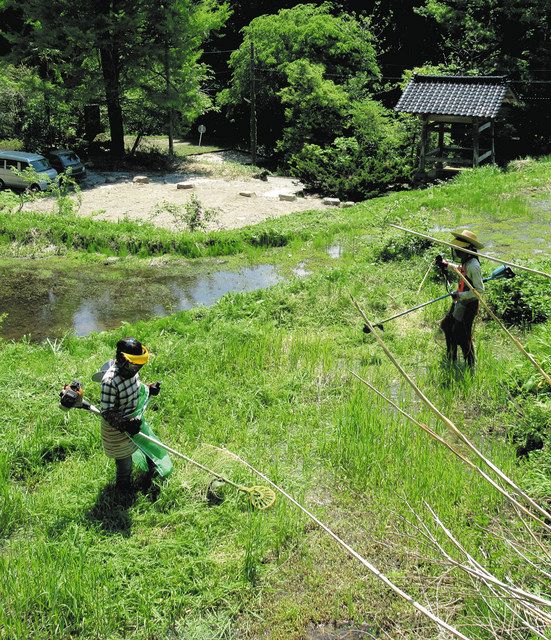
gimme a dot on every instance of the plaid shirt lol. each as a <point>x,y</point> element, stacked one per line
<point>119,394</point>
<point>122,396</point>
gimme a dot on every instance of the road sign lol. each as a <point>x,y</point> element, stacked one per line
<point>201,128</point>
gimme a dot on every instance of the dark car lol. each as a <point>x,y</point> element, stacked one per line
<point>64,159</point>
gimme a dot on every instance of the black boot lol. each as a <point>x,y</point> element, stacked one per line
<point>123,481</point>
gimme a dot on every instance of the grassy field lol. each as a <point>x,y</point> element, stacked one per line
<point>182,148</point>
<point>267,374</point>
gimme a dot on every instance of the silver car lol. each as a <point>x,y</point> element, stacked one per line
<point>22,160</point>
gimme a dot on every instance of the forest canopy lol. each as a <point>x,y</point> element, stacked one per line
<point>325,77</point>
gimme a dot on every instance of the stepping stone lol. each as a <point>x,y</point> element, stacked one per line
<point>287,197</point>
<point>140,180</point>
<point>349,203</point>
<point>247,194</point>
<point>331,202</point>
<point>184,185</point>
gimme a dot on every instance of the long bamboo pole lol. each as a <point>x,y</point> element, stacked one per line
<point>441,623</point>
<point>515,340</point>
<point>474,253</point>
<point>451,425</point>
<point>451,448</point>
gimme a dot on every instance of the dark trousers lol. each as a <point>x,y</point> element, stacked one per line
<point>124,471</point>
<point>459,333</point>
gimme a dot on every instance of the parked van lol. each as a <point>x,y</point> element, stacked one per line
<point>65,160</point>
<point>22,160</point>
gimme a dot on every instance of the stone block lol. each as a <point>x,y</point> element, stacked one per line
<point>247,194</point>
<point>349,203</point>
<point>331,202</point>
<point>140,180</point>
<point>287,197</point>
<point>184,185</point>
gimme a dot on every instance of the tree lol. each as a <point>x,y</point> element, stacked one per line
<point>341,45</point>
<point>118,42</point>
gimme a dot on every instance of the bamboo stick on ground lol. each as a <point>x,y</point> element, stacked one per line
<point>441,623</point>
<point>521,593</point>
<point>515,340</point>
<point>451,425</point>
<point>479,573</point>
<point>474,253</point>
<point>424,278</point>
<point>441,440</point>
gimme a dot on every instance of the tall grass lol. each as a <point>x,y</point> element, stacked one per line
<point>265,374</point>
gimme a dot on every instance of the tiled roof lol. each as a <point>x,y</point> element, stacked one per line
<point>478,96</point>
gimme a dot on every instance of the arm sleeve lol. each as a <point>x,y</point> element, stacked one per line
<point>450,269</point>
<point>474,274</point>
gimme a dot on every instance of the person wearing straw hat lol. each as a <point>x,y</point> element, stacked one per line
<point>458,323</point>
<point>120,392</point>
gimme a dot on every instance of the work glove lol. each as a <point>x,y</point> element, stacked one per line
<point>131,426</point>
<point>455,295</point>
<point>440,262</point>
<point>154,388</point>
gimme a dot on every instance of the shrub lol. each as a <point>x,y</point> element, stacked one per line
<point>403,248</point>
<point>524,299</point>
<point>357,166</point>
<point>190,215</point>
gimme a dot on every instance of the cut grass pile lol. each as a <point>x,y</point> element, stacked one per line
<point>266,374</point>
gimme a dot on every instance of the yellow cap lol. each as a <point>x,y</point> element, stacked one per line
<point>134,359</point>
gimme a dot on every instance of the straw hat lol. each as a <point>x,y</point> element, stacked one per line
<point>465,238</point>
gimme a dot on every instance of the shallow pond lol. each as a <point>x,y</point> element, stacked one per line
<point>46,298</point>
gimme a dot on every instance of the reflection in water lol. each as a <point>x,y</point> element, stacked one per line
<point>92,300</point>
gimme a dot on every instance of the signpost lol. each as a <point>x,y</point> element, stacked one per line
<point>201,128</point>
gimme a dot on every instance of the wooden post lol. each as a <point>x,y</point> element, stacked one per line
<point>423,144</point>
<point>492,143</point>
<point>253,107</point>
<point>440,163</point>
<point>476,142</point>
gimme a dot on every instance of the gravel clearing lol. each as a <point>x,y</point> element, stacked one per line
<point>113,195</point>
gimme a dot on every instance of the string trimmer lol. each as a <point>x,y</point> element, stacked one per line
<point>497,274</point>
<point>261,497</point>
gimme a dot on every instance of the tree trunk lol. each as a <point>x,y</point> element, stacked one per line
<point>169,100</point>
<point>110,70</point>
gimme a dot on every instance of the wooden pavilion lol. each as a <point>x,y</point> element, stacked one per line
<point>447,104</point>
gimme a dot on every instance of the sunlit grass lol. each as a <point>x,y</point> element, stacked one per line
<point>265,374</point>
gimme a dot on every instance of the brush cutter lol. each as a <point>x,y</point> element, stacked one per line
<point>499,273</point>
<point>261,497</point>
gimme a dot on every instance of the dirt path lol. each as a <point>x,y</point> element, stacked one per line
<point>218,181</point>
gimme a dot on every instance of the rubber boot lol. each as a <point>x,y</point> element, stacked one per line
<point>123,481</point>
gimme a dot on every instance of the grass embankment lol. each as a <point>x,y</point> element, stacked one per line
<point>266,375</point>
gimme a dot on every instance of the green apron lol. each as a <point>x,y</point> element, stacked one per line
<point>161,459</point>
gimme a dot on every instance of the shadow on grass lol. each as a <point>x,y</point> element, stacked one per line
<point>111,510</point>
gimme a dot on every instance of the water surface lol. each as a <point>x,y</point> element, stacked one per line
<point>44,299</point>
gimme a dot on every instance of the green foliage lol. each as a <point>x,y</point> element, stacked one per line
<point>141,58</point>
<point>11,144</point>
<point>315,107</point>
<point>523,299</point>
<point>362,165</point>
<point>191,215</point>
<point>334,52</point>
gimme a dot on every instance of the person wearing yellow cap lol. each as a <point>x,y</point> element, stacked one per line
<point>458,323</point>
<point>120,389</point>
